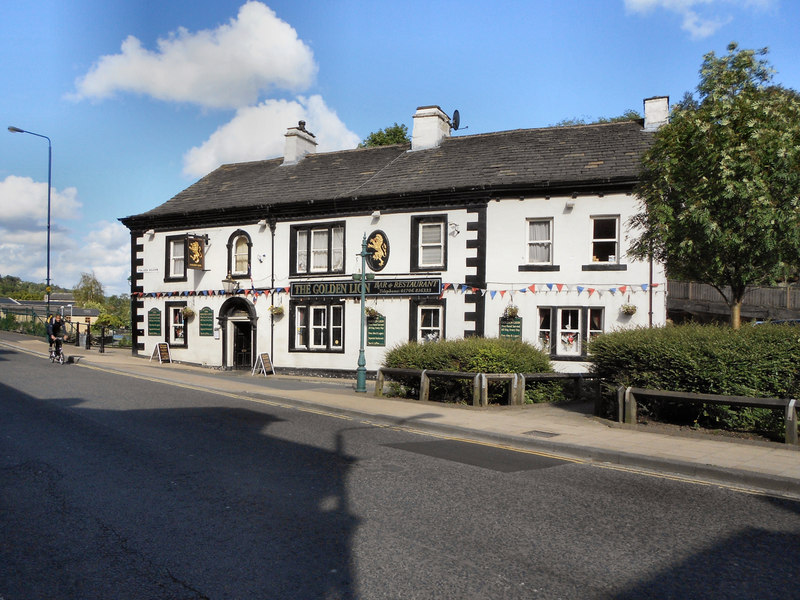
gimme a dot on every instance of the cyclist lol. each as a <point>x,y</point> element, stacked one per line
<point>58,330</point>
<point>49,334</point>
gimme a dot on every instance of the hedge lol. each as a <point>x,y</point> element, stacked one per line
<point>758,361</point>
<point>472,355</point>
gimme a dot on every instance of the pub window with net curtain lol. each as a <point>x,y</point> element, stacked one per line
<point>318,248</point>
<point>540,241</point>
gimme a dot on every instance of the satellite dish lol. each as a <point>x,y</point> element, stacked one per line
<point>456,119</point>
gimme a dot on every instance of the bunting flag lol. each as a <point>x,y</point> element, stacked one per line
<point>457,288</point>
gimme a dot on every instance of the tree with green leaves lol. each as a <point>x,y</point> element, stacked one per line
<point>720,187</point>
<point>88,290</point>
<point>396,134</point>
<point>628,115</point>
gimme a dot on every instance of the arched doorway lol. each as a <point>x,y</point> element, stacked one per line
<point>237,319</point>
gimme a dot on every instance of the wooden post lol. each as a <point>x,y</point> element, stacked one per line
<point>424,385</point>
<point>791,422</point>
<point>476,389</point>
<point>630,407</point>
<point>379,383</point>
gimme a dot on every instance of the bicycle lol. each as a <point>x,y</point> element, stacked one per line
<point>57,354</point>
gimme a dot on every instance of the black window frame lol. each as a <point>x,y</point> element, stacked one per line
<point>413,316</point>
<point>168,336</point>
<point>416,255</point>
<point>232,249</point>
<point>168,276</point>
<point>309,228</point>
<point>310,304</point>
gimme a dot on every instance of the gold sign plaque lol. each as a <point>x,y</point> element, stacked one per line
<point>196,253</point>
<point>378,248</point>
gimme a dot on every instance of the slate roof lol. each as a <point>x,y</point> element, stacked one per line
<point>548,158</point>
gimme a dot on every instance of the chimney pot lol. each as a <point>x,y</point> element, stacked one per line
<point>431,126</point>
<point>299,142</point>
<point>656,112</point>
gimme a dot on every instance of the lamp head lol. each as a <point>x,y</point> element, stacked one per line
<point>13,129</point>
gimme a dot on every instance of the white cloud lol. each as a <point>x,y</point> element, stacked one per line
<point>104,248</point>
<point>700,18</point>
<point>23,227</point>
<point>227,67</point>
<point>257,133</point>
<point>106,252</point>
<point>24,203</point>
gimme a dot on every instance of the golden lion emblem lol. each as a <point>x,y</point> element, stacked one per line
<point>378,246</point>
<point>195,252</point>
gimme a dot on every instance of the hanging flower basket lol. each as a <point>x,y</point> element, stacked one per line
<point>188,312</point>
<point>371,313</point>
<point>511,312</point>
<point>628,309</point>
<point>276,310</point>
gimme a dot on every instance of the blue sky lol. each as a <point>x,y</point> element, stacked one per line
<point>141,98</point>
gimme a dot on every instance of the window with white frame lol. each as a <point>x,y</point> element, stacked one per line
<point>241,256</point>
<point>317,248</point>
<point>540,241</point>
<point>430,323</point>
<point>429,243</point>
<point>545,328</point>
<point>318,327</point>
<point>605,239</point>
<point>569,331</point>
<point>176,325</point>
<point>595,322</point>
<point>176,258</point>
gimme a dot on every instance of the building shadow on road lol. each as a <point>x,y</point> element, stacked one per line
<point>192,502</point>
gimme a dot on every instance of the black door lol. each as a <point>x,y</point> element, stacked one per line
<point>242,345</point>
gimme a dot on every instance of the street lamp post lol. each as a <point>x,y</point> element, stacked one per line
<point>361,371</point>
<point>13,129</point>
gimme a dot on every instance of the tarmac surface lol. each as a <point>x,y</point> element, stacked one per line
<point>564,430</point>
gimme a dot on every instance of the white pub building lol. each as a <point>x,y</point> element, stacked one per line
<point>518,234</point>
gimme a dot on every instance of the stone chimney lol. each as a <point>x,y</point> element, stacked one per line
<point>656,112</point>
<point>431,125</point>
<point>299,142</point>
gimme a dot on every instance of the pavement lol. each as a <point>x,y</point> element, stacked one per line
<point>568,430</point>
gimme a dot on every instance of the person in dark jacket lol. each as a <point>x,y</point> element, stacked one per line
<point>49,328</point>
<point>58,332</point>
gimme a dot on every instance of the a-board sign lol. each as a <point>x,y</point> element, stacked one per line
<point>154,322</point>
<point>206,321</point>
<point>162,351</point>
<point>376,331</point>
<point>511,328</point>
<point>263,365</point>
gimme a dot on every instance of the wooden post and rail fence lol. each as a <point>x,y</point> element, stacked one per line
<point>627,397</point>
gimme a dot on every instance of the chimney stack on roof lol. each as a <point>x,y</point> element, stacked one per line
<point>299,142</point>
<point>431,126</point>
<point>656,112</point>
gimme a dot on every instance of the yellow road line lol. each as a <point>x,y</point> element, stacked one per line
<point>408,429</point>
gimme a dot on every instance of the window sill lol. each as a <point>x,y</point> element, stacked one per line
<point>541,268</point>
<point>604,267</point>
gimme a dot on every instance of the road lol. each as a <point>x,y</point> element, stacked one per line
<point>119,487</point>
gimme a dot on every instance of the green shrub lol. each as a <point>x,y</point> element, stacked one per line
<point>758,361</point>
<point>472,355</point>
